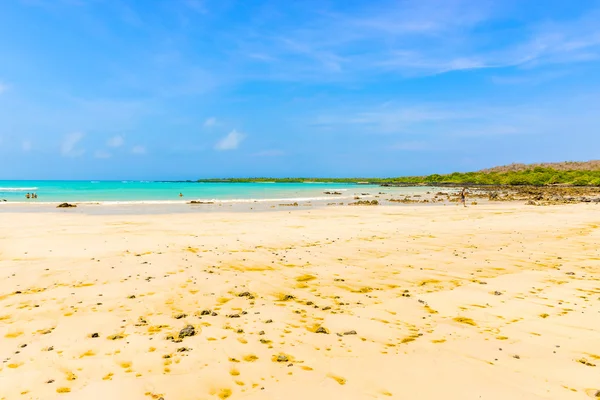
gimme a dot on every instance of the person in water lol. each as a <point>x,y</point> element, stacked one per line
<point>180,194</point>
<point>463,196</point>
<point>28,195</point>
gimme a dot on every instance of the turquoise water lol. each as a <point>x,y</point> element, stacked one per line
<point>168,192</point>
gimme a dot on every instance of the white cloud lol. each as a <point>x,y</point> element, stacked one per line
<point>115,141</point>
<point>3,87</point>
<point>231,141</point>
<point>212,121</point>
<point>269,153</point>
<point>67,148</point>
<point>138,149</point>
<point>102,154</point>
<point>26,145</point>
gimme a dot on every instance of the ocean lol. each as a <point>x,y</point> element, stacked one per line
<point>149,192</point>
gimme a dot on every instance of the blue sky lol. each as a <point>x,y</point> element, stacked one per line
<point>178,89</point>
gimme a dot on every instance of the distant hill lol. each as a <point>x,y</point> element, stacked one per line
<point>593,165</point>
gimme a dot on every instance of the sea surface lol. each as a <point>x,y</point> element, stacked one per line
<point>149,192</point>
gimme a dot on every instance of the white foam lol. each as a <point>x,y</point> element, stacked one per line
<point>165,202</point>
<point>17,189</point>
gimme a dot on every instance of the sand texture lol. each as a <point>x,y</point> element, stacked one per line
<point>488,302</point>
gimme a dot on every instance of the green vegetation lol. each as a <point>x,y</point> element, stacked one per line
<point>537,176</point>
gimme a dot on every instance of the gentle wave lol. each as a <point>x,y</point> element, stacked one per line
<point>215,201</point>
<point>17,189</point>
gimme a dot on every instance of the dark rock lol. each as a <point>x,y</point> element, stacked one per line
<point>233,316</point>
<point>205,312</point>
<point>268,321</point>
<point>66,205</point>
<point>365,203</point>
<point>187,331</point>
<point>282,358</point>
<point>95,335</point>
<point>497,293</point>
<point>179,316</point>
<point>322,330</point>
<point>350,333</point>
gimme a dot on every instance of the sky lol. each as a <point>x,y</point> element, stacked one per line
<point>186,89</point>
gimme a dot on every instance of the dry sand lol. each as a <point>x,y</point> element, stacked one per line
<point>488,302</point>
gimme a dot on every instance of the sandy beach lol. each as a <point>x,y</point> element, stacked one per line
<point>495,301</point>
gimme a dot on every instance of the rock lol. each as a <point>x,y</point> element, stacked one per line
<point>570,273</point>
<point>282,358</point>
<point>269,321</point>
<point>95,335</point>
<point>183,349</point>
<point>365,203</point>
<point>233,316</point>
<point>205,312</point>
<point>201,202</point>
<point>187,331</point>
<point>245,294</point>
<point>288,297</point>
<point>322,330</point>
<point>179,316</point>
<point>65,205</point>
<point>261,332</point>
<point>497,293</point>
<point>350,333</point>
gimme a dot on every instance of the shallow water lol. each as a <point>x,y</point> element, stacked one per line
<point>146,192</point>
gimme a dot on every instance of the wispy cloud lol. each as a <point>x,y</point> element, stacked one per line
<point>212,121</point>
<point>102,154</point>
<point>231,141</point>
<point>115,141</point>
<point>3,87</point>
<point>69,148</point>
<point>415,38</point>
<point>139,150</point>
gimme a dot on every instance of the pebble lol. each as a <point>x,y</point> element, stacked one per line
<point>187,331</point>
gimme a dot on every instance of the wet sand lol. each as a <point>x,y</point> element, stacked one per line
<point>497,301</point>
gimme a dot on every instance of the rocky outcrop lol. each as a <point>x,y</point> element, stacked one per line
<point>365,203</point>
<point>66,205</point>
